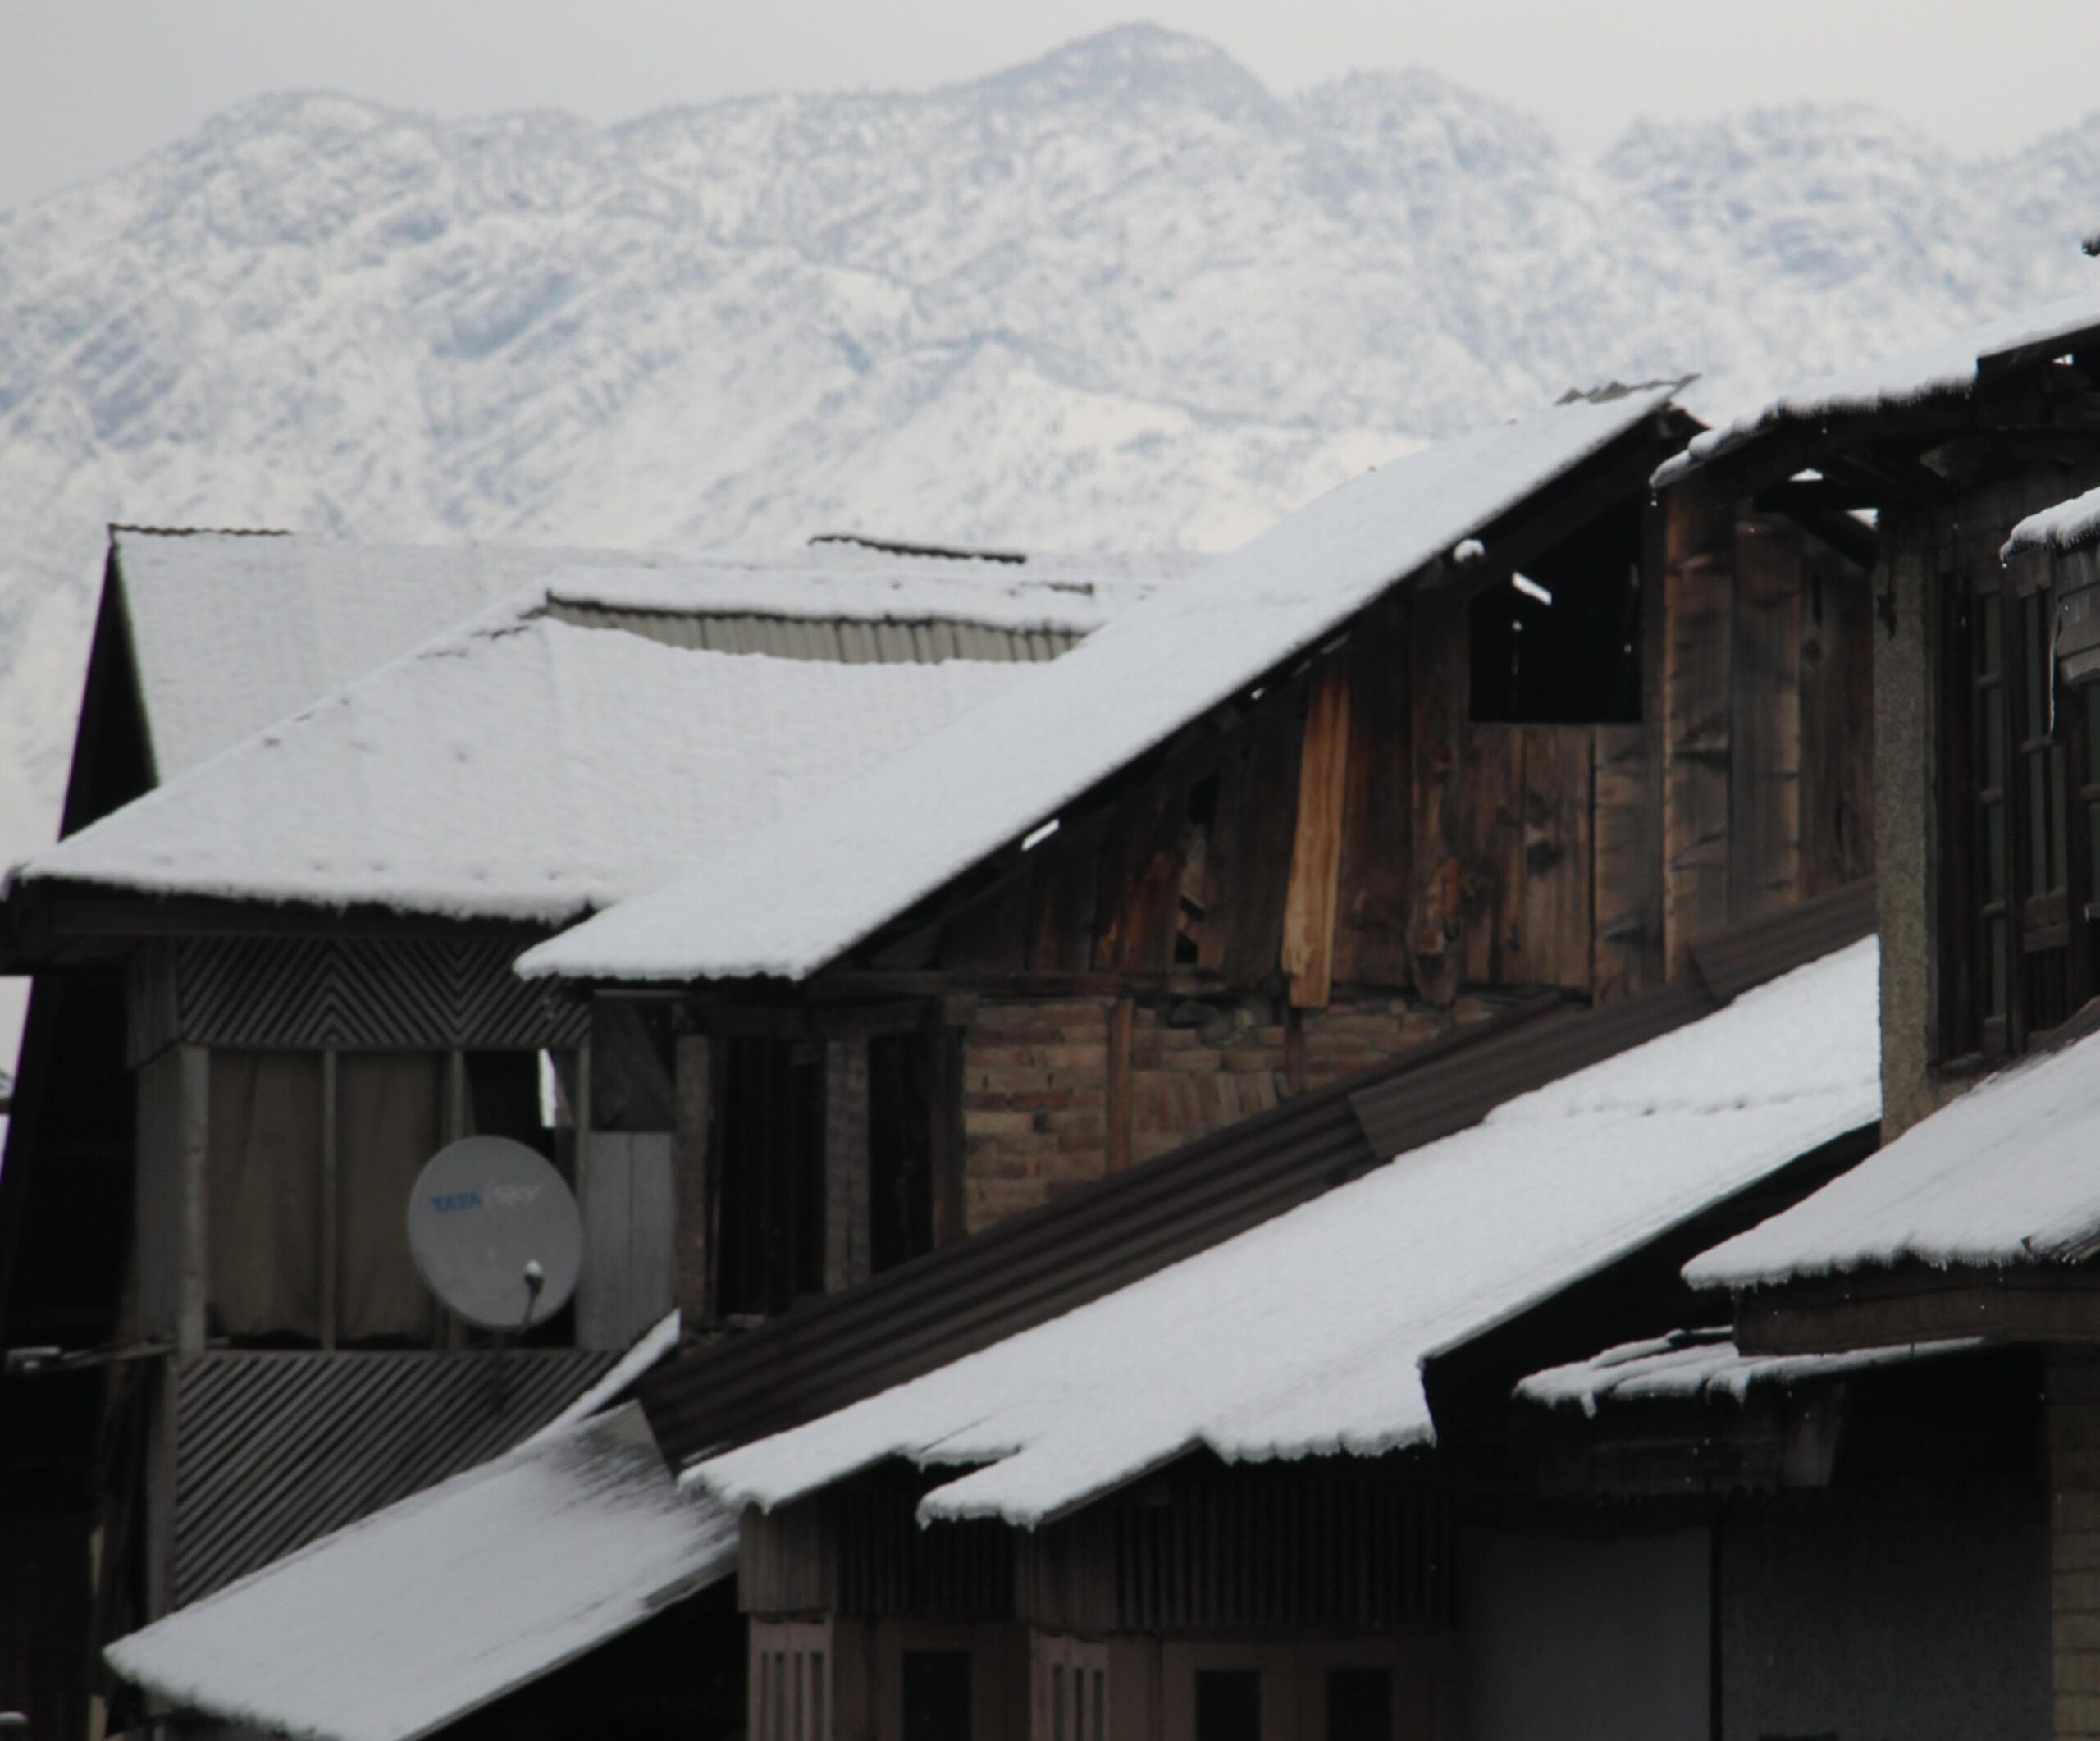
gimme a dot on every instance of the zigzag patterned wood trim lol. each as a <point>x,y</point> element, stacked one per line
<point>366,993</point>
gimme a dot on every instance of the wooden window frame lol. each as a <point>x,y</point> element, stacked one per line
<point>2015,852</point>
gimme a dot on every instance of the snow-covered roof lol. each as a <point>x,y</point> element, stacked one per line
<point>787,901</point>
<point>1946,369</point>
<point>518,767</point>
<point>1689,1365</point>
<point>1307,1334</point>
<point>2008,1174</point>
<point>411,1618</point>
<point>2074,525</point>
<point>233,632</point>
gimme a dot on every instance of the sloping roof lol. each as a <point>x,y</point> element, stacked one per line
<point>2007,1175</point>
<point>233,632</point>
<point>787,901</point>
<point>1947,370</point>
<point>1690,1366</point>
<point>1029,1269</point>
<point>414,1616</point>
<point>2074,525</point>
<point>274,1449</point>
<point>1307,1334</point>
<point>518,767</point>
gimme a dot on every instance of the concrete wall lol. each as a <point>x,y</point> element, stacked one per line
<point>1863,1617</point>
<point>1576,1639</point>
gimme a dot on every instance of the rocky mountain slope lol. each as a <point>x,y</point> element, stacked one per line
<point>1123,295</point>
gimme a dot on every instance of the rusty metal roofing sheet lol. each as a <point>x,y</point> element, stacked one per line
<point>273,1450</point>
<point>1027,1270</point>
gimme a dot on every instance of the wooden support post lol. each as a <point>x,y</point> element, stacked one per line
<point>194,1270</point>
<point>1123,1021</point>
<point>1698,583</point>
<point>1308,914</point>
<point>1438,684</point>
<point>696,1251</point>
<point>846,1258</point>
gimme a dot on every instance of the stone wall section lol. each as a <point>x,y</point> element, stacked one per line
<point>1037,1076</point>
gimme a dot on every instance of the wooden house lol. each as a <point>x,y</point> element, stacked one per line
<point>1482,726</point>
<point>1885,1436</point>
<point>322,796</point>
<point>1483,739</point>
<point>1219,1448</point>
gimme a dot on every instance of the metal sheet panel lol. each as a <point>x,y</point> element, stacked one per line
<point>273,1450</point>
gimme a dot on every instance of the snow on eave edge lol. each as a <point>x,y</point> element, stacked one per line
<point>557,958</point>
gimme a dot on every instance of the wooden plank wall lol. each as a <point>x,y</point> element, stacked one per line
<point>1378,809</point>
<point>1836,680</point>
<point>1698,715</point>
<point>1356,828</point>
<point>1765,726</point>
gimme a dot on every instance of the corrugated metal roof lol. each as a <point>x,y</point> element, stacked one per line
<point>832,640</point>
<point>273,1450</point>
<point>1027,1270</point>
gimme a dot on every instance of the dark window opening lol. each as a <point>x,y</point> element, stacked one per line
<point>769,1119</point>
<point>1559,643</point>
<point>936,1688</point>
<point>902,1083</point>
<point>1228,1705</point>
<point>1359,1705</point>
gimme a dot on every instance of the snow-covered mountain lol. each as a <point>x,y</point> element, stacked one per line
<point>1123,295</point>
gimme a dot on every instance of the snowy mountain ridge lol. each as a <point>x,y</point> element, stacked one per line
<point>1122,295</point>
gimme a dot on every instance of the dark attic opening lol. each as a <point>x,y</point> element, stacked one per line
<point>1558,642</point>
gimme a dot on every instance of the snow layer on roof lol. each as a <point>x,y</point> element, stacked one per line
<point>787,901</point>
<point>1688,1366</point>
<point>519,767</point>
<point>233,632</point>
<point>2069,525</point>
<point>415,1616</point>
<point>1306,1335</point>
<point>1948,367</point>
<point>2008,1174</point>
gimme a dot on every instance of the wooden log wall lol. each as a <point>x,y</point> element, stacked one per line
<point>1354,828</point>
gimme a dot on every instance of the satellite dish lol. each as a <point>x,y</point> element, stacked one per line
<point>495,1233</point>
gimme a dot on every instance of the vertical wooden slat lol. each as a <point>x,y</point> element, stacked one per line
<point>605,1199</point>
<point>652,1218</point>
<point>1308,916</point>
<point>1140,878</point>
<point>1836,724</point>
<point>1251,838</point>
<point>1626,953</point>
<point>1067,871</point>
<point>193,1268</point>
<point>1557,856</point>
<point>1492,866</point>
<point>1697,622</point>
<point>1372,900</point>
<point>1764,739</point>
<point>845,1231</point>
<point>1437,686</point>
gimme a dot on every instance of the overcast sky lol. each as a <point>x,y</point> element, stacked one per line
<point>86,85</point>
